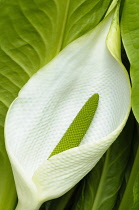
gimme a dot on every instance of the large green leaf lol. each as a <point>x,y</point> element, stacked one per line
<point>130,197</point>
<point>130,36</point>
<point>32,33</point>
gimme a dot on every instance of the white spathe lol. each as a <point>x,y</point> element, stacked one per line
<point>47,105</point>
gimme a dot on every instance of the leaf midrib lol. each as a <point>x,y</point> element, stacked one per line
<point>59,48</point>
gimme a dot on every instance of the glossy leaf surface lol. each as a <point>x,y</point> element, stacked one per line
<point>130,37</point>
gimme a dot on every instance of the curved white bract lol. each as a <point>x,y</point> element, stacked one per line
<point>47,105</point>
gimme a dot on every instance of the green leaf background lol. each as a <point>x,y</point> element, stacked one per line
<point>130,37</point>
<point>32,33</point>
<point>130,195</point>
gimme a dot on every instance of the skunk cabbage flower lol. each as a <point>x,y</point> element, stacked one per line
<point>67,115</point>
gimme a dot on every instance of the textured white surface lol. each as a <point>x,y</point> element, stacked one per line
<point>47,105</point>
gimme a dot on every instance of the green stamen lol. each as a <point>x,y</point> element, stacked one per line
<point>78,127</point>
